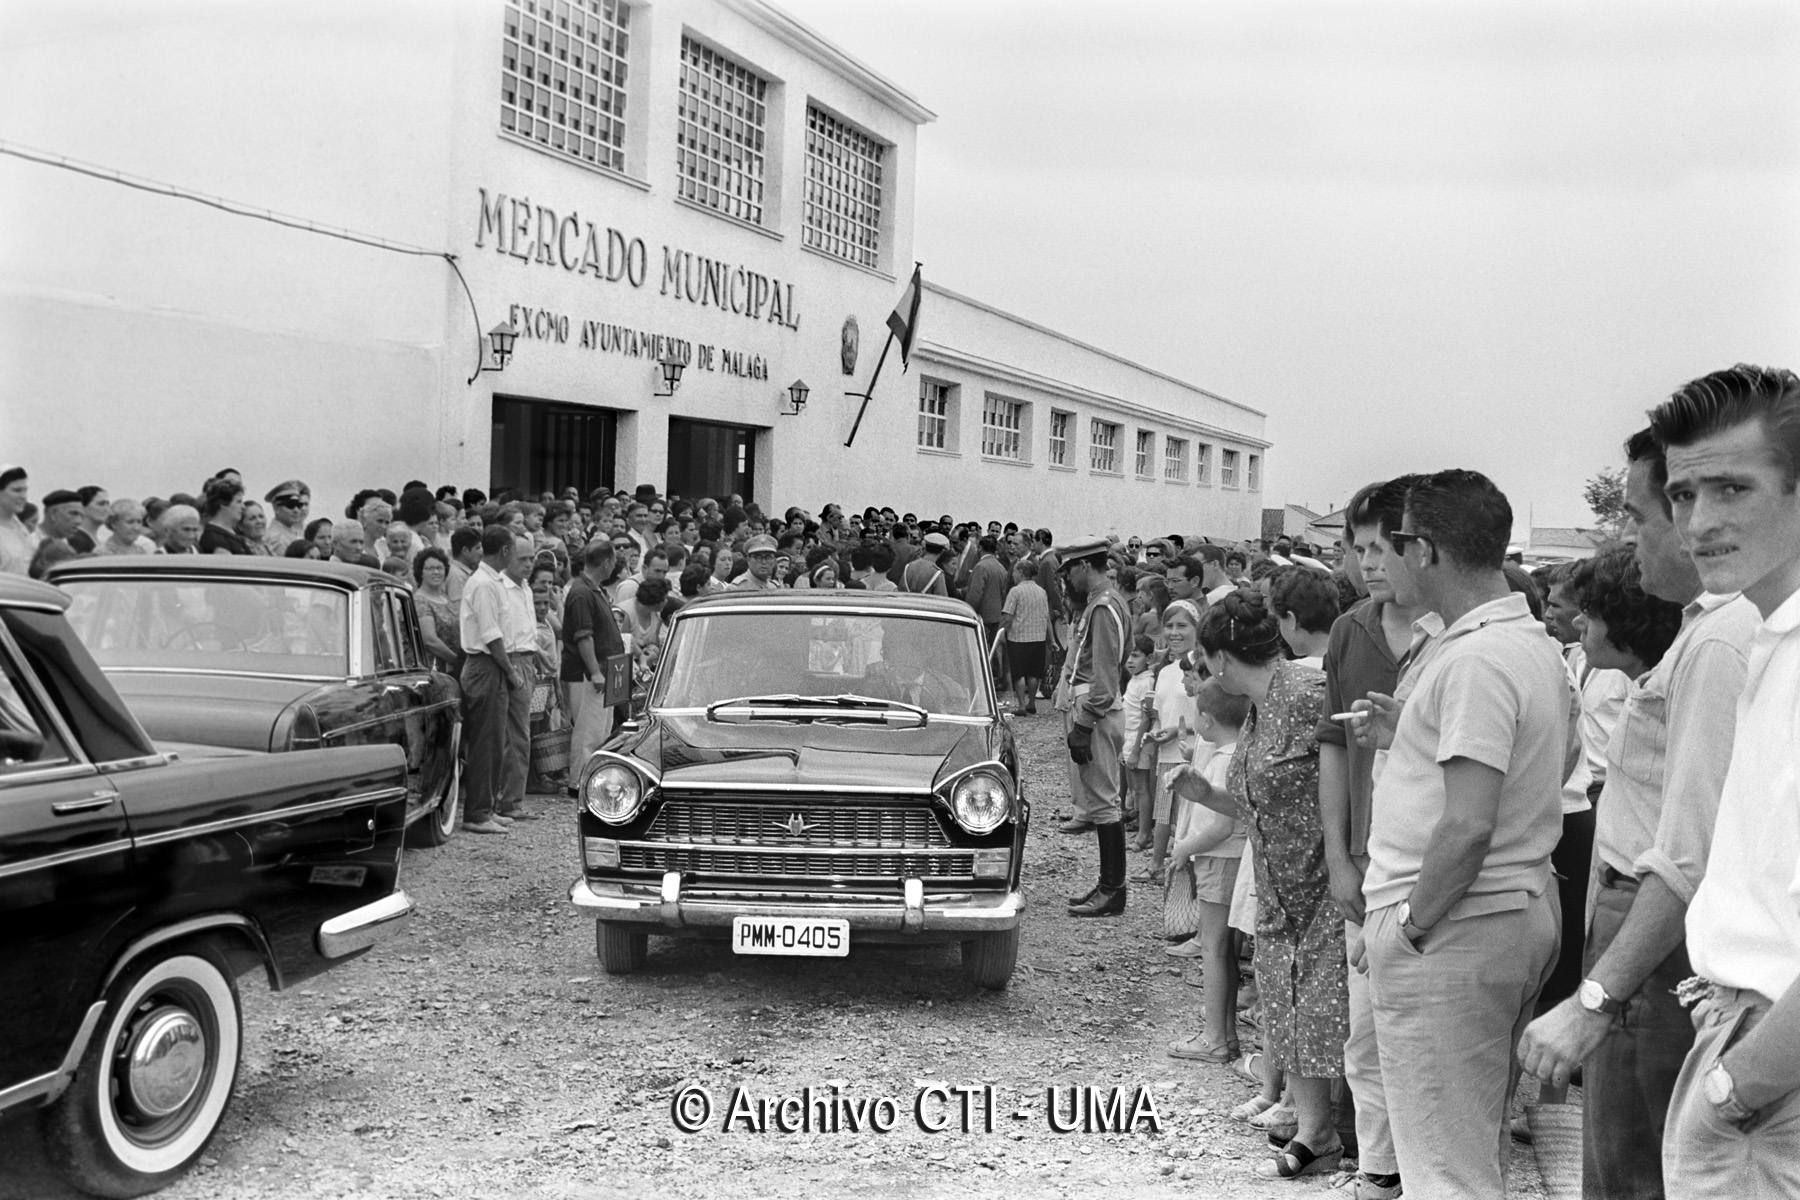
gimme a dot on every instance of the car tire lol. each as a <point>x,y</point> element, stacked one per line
<point>621,950</point>
<point>988,960</point>
<point>435,827</point>
<point>125,1127</point>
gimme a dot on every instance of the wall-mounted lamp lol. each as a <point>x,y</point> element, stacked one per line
<point>500,340</point>
<point>671,365</point>
<point>796,395</point>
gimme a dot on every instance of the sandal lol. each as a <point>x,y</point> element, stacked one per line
<point>1299,1159</point>
<point>1150,874</point>
<point>1252,1108</point>
<point>1196,1049</point>
<point>1249,1067</point>
<point>1280,1120</point>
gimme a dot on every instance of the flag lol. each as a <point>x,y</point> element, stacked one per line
<point>904,320</point>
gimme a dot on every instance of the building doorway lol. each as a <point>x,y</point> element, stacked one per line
<point>539,446</point>
<point>709,459</point>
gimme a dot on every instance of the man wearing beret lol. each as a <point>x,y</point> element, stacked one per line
<point>1094,720</point>
<point>62,517</point>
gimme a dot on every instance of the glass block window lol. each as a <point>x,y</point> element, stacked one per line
<point>843,190</point>
<point>1228,460</point>
<point>1203,464</point>
<point>1146,454</point>
<point>1060,424</point>
<point>1001,421</point>
<point>1175,460</point>
<point>1254,481</point>
<point>1103,452</point>
<point>934,415</point>
<point>562,76</point>
<point>719,133</point>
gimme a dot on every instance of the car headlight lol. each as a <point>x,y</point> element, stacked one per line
<point>614,793</point>
<point>981,802</point>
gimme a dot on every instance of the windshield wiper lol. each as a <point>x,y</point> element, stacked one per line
<point>845,706</point>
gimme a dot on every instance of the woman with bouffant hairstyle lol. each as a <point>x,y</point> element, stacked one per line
<point>1273,787</point>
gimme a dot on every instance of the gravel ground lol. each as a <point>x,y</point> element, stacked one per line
<point>482,1053</point>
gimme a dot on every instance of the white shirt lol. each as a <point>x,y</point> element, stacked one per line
<point>1602,698</point>
<point>1743,928</point>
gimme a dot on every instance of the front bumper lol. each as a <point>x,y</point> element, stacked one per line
<point>362,927</point>
<point>915,912</point>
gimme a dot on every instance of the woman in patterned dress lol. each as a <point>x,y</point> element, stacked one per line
<point>1273,788</point>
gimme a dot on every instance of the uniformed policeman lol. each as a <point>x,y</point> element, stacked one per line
<point>1089,695</point>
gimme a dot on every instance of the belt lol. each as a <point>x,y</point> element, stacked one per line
<point>1613,878</point>
<point>1697,988</point>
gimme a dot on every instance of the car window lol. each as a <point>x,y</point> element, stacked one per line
<point>406,630</point>
<point>221,625</point>
<point>937,665</point>
<point>28,740</point>
<point>381,626</point>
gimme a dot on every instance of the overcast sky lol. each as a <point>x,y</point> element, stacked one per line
<point>1417,235</point>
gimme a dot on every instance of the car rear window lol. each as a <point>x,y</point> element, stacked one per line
<point>243,626</point>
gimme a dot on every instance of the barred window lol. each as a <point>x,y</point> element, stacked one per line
<point>1228,460</point>
<point>1203,465</point>
<point>719,128</point>
<point>1001,421</point>
<point>1103,453</point>
<point>1146,454</point>
<point>1175,460</point>
<point>934,415</point>
<point>843,190</point>
<point>1060,423</point>
<point>1255,474</point>
<point>562,76</point>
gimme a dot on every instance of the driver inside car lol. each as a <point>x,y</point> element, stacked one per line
<point>905,674</point>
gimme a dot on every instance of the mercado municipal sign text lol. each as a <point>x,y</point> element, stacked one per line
<point>534,233</point>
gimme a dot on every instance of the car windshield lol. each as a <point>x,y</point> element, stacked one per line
<point>936,665</point>
<point>210,625</point>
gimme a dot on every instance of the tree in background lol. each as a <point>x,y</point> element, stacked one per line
<point>1605,495</point>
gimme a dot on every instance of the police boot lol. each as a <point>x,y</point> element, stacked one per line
<point>1108,899</point>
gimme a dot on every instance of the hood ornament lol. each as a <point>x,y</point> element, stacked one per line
<point>796,825</point>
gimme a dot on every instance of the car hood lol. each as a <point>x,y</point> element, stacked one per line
<point>693,752</point>
<point>238,711</point>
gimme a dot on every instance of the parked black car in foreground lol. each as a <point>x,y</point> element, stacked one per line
<point>137,882</point>
<point>275,654</point>
<point>815,771</point>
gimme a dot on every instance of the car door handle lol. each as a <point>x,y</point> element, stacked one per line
<point>63,808</point>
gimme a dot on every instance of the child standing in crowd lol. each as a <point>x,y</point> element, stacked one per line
<point>1204,860</point>
<point>1174,721</point>
<point>1138,752</point>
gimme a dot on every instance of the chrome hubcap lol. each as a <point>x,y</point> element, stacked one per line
<point>164,1059</point>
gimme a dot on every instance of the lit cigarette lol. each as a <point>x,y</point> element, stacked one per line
<point>1349,716</point>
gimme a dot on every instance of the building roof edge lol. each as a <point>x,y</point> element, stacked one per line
<point>1092,349</point>
<point>809,41</point>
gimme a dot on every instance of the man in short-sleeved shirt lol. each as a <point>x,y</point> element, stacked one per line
<point>1462,923</point>
<point>587,617</point>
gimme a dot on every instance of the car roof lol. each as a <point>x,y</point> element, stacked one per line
<point>821,598</point>
<point>19,592</point>
<point>248,566</point>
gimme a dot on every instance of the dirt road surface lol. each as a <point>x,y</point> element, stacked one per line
<point>482,1053</point>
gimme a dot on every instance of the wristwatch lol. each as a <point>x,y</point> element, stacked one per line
<point>1405,915</point>
<point>1593,997</point>
<point>1721,1093</point>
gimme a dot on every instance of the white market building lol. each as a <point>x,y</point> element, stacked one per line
<point>707,179</point>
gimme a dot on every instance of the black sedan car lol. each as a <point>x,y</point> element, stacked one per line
<point>274,654</point>
<point>137,883</point>
<point>815,770</point>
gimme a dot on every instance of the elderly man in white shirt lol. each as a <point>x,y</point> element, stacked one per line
<point>1732,445</point>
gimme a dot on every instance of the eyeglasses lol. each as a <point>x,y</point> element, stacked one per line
<point>1401,540</point>
<point>290,501</point>
<point>1153,552</point>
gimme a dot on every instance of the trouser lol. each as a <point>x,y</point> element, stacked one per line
<point>590,724</point>
<point>1094,785</point>
<point>1362,1071</point>
<point>1627,1082</point>
<point>1448,1015</point>
<point>1572,860</point>
<point>1703,1154</point>
<point>515,765</point>
<point>486,700</point>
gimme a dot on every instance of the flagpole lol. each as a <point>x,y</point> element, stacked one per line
<point>885,346</point>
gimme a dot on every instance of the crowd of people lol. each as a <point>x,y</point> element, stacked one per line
<point>1468,818</point>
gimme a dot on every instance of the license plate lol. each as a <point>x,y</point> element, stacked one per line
<point>818,937</point>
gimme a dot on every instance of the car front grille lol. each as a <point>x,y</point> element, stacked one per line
<point>639,856</point>
<point>807,823</point>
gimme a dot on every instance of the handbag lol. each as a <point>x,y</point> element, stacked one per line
<point>1181,902</point>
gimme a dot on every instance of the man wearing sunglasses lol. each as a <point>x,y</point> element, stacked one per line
<point>290,501</point>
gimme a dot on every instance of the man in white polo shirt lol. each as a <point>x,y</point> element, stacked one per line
<point>1462,920</point>
<point>1732,444</point>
